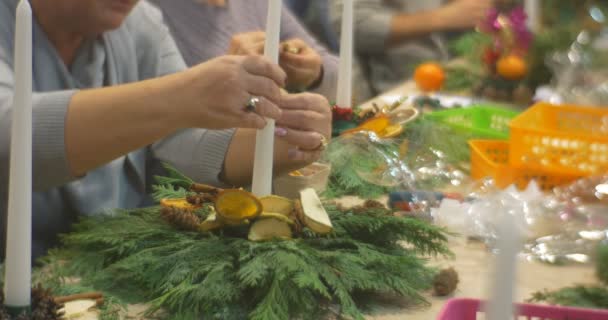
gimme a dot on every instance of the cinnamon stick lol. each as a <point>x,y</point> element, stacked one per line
<point>79,296</point>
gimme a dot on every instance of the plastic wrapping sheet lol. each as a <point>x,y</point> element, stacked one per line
<point>580,74</point>
<point>565,226</point>
<point>425,157</point>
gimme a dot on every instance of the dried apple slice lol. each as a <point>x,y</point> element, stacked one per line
<point>235,205</point>
<point>276,204</point>
<point>278,216</point>
<point>211,223</point>
<point>268,229</point>
<point>315,216</point>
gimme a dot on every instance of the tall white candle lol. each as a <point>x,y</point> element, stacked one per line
<point>500,306</point>
<point>344,94</point>
<point>17,279</point>
<point>533,11</point>
<point>264,145</point>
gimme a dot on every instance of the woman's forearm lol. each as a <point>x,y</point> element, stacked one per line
<point>406,26</point>
<point>104,124</point>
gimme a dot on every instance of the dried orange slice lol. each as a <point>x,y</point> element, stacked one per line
<point>391,131</point>
<point>237,205</point>
<point>377,125</point>
<point>181,204</point>
<point>296,173</point>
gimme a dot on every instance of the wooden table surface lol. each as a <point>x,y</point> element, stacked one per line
<point>472,261</point>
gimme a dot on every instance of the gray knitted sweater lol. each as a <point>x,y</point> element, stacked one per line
<point>141,48</point>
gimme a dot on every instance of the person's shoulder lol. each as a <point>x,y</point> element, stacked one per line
<point>145,18</point>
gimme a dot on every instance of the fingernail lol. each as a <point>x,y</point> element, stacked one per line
<point>292,154</point>
<point>280,132</point>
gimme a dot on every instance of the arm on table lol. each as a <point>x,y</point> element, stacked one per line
<point>378,27</point>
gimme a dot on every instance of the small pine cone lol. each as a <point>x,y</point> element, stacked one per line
<point>44,306</point>
<point>3,314</point>
<point>373,204</point>
<point>445,282</point>
<point>181,219</point>
<point>201,198</point>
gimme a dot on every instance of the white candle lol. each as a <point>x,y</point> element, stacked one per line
<point>264,142</point>
<point>344,94</point>
<point>17,278</point>
<point>533,11</point>
<point>500,307</point>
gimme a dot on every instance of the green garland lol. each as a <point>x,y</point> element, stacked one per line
<point>582,296</point>
<point>136,256</point>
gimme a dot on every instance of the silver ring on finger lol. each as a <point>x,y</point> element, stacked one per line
<point>252,104</point>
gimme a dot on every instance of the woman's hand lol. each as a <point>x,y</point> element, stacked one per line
<point>214,94</point>
<point>305,124</point>
<point>302,63</point>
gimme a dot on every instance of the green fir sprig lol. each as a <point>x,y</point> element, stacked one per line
<point>137,257</point>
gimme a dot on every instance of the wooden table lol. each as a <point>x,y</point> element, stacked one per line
<point>473,262</point>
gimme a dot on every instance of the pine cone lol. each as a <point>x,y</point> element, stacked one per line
<point>445,282</point>
<point>373,204</point>
<point>3,314</point>
<point>201,198</point>
<point>44,306</point>
<point>181,219</point>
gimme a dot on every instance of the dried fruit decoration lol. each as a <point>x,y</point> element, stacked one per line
<point>235,206</point>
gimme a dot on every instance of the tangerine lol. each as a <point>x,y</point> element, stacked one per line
<point>512,67</point>
<point>429,76</point>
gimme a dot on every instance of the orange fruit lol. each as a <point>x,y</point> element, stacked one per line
<point>512,67</point>
<point>429,76</point>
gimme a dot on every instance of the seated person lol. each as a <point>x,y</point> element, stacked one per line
<point>112,95</point>
<point>205,29</point>
<point>394,36</point>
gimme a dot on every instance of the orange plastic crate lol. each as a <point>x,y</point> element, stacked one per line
<point>570,139</point>
<point>490,158</point>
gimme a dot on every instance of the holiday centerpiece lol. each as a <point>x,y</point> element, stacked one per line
<point>226,254</point>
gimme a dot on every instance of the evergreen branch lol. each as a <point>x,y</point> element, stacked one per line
<point>173,177</point>
<point>579,296</point>
<point>168,191</point>
<point>138,257</point>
